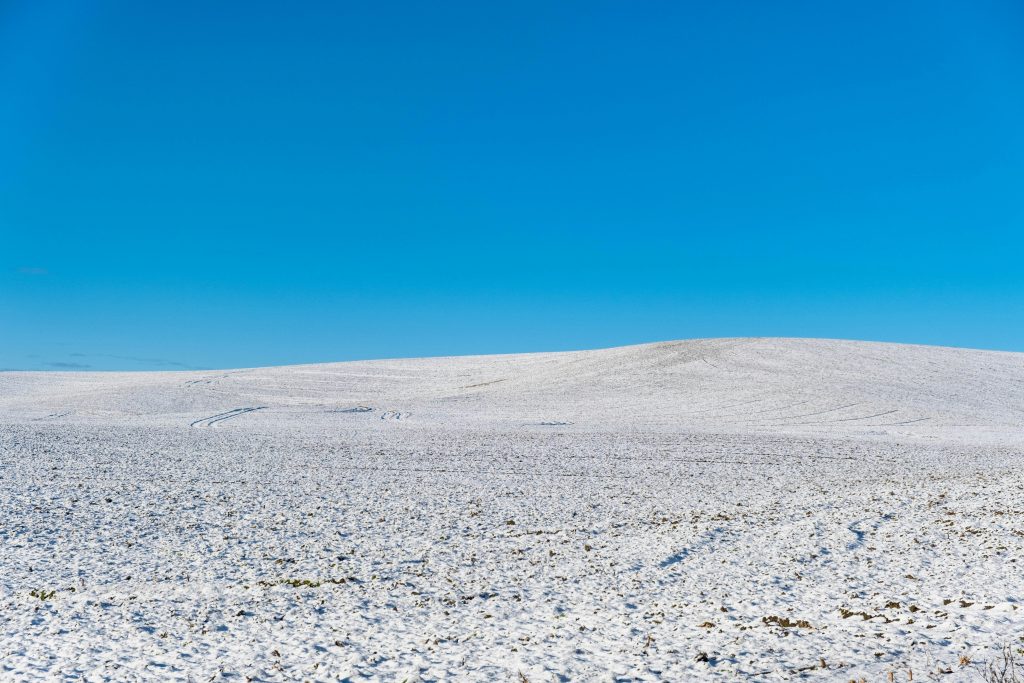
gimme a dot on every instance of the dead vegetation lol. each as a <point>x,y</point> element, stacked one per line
<point>1005,667</point>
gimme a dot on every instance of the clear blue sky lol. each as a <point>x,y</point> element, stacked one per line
<point>197,184</point>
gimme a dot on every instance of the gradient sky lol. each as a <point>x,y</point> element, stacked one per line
<point>200,185</point>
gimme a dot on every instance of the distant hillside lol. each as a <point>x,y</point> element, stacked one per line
<point>743,385</point>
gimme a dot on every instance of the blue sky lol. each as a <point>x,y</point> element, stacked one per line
<point>200,185</point>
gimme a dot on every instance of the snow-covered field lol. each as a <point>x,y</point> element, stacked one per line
<point>753,509</point>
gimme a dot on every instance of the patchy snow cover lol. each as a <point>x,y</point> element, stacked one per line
<point>765,509</point>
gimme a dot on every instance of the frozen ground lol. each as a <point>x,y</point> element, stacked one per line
<point>751,509</point>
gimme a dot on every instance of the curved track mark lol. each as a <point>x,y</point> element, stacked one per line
<point>220,417</point>
<point>484,384</point>
<point>845,419</point>
<point>723,407</point>
<point>790,417</point>
<point>52,416</point>
<point>906,422</point>
<point>761,412</point>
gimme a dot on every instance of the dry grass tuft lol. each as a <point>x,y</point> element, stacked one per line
<point>1004,668</point>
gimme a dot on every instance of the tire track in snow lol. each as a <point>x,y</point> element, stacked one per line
<point>220,417</point>
<point>905,422</point>
<point>725,406</point>
<point>759,412</point>
<point>484,384</point>
<point>845,419</point>
<point>206,380</point>
<point>53,416</point>
<point>820,412</point>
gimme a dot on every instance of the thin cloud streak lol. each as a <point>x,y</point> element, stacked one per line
<point>162,362</point>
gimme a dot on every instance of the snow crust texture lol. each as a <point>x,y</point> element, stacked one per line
<point>734,509</point>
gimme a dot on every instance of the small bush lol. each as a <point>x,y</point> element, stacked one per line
<point>1004,668</point>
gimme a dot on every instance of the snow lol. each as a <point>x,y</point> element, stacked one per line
<point>771,509</point>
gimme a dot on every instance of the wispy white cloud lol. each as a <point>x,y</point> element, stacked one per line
<point>158,362</point>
